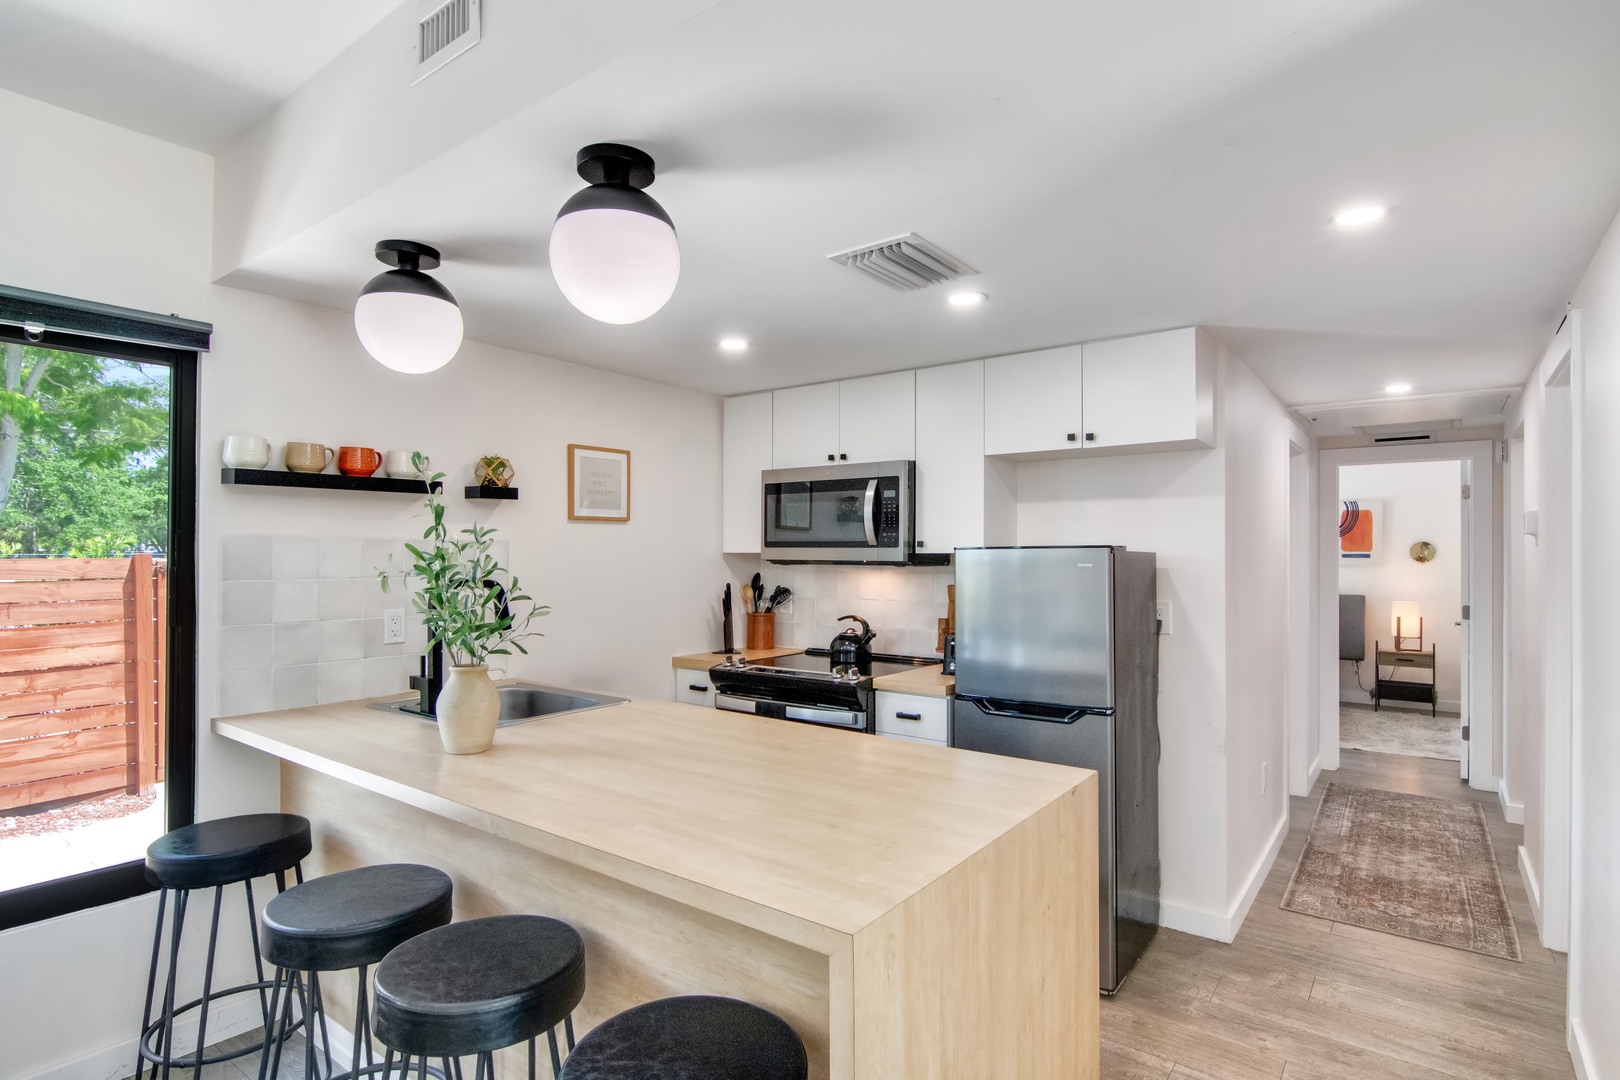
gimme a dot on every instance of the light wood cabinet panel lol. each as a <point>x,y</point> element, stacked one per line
<point>804,426</point>
<point>745,453</point>
<point>877,418</point>
<point>1149,389</point>
<point>1032,401</point>
<point>950,457</point>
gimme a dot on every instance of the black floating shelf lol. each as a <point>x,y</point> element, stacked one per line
<point>328,481</point>
<point>482,491</point>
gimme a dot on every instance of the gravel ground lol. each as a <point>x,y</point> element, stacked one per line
<point>66,818</point>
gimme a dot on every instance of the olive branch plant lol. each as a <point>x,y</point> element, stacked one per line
<point>457,594</point>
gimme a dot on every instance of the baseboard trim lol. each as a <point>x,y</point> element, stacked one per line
<point>115,1061</point>
<point>1313,773</point>
<point>1512,811</point>
<point>1532,886</point>
<point>1579,1053</point>
<point>1218,927</point>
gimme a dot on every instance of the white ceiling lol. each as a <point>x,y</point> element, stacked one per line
<point>1111,168</point>
<point>193,72</point>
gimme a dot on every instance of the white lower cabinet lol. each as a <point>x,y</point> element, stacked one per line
<point>914,716</point>
<point>693,687</point>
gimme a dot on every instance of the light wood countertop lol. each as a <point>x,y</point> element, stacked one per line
<point>706,660</point>
<point>828,828</point>
<point>928,681</point>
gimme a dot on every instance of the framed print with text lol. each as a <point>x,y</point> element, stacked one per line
<point>598,483</point>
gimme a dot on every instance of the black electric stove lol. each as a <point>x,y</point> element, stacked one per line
<point>806,687</point>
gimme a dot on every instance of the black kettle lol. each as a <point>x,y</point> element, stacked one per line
<point>853,648</point>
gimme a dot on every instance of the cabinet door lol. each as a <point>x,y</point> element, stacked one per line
<point>745,453</point>
<point>877,418</point>
<point>693,687</point>
<point>1032,401</point>
<point>950,457</point>
<point>1147,389</point>
<point>913,716</point>
<point>804,426</point>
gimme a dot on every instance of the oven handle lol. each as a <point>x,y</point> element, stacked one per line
<point>871,520</point>
<point>844,718</point>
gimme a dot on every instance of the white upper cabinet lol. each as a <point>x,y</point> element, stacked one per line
<point>804,428</point>
<point>950,457</point>
<point>745,453</point>
<point>877,417</point>
<point>1032,401</point>
<point>1155,389</point>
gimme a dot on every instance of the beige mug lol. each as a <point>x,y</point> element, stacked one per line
<point>308,457</point>
<point>397,463</point>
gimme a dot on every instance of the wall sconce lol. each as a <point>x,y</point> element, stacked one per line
<point>1404,619</point>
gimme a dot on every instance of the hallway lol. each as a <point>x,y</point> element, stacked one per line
<point>1300,998</point>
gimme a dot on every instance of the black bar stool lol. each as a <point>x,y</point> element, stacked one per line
<point>475,987</point>
<point>690,1038</point>
<point>341,921</point>
<point>212,854</point>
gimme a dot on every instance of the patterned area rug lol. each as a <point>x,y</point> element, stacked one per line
<point>1404,864</point>
<point>1400,731</point>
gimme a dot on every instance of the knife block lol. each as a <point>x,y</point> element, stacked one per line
<point>761,629</point>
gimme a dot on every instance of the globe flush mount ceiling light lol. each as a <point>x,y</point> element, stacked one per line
<point>406,320</point>
<point>1359,217</point>
<point>613,249</point>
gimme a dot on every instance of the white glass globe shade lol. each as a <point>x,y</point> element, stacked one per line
<point>408,332</point>
<point>617,266</point>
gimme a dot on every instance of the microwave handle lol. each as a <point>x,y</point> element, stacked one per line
<point>871,509</point>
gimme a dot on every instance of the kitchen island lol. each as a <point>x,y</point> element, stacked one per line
<point>912,911</point>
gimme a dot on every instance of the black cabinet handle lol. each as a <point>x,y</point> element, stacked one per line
<point>843,457</point>
<point>921,544</point>
<point>698,688</point>
<point>1070,436</point>
<point>1091,436</point>
<point>829,457</point>
<point>908,716</point>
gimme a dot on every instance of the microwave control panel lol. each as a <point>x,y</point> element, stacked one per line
<point>888,512</point>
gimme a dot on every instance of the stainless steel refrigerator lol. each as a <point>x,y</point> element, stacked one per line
<point>1057,659</point>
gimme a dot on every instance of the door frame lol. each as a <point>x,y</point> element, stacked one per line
<point>1479,518</point>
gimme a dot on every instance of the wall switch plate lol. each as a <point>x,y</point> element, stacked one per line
<point>394,626</point>
<point>1162,608</point>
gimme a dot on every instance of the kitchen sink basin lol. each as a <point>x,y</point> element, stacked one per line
<point>520,703</point>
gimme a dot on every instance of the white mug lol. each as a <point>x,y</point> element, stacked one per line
<point>247,451</point>
<point>398,464</point>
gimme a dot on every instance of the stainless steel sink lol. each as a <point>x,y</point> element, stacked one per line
<point>520,703</point>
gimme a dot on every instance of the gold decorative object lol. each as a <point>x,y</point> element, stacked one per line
<point>1423,551</point>
<point>493,471</point>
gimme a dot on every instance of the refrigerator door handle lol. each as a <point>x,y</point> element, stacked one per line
<point>1020,710</point>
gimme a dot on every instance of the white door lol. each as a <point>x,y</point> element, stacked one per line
<point>950,457</point>
<point>745,453</point>
<point>804,426</point>
<point>1141,389</point>
<point>877,417</point>
<point>1464,616</point>
<point>1032,401</point>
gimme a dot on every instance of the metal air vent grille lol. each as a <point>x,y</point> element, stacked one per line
<point>444,30</point>
<point>904,263</point>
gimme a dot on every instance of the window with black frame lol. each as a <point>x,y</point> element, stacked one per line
<point>97,613</point>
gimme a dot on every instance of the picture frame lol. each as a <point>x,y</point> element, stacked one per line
<point>598,483</point>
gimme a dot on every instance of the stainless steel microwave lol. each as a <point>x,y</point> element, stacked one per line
<point>855,513</point>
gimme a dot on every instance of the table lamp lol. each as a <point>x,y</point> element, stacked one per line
<point>1407,624</point>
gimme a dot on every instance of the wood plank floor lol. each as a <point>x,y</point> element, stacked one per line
<point>1301,998</point>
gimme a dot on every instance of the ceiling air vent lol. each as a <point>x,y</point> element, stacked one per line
<point>444,30</point>
<point>905,263</point>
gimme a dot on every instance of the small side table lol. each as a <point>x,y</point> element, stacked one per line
<point>1392,689</point>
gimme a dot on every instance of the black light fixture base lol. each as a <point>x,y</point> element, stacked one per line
<point>407,255</point>
<point>615,163</point>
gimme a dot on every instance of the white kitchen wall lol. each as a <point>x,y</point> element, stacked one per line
<point>104,214</point>
<point>904,606</point>
<point>1421,500</point>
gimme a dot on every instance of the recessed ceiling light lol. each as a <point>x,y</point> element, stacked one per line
<point>966,299</point>
<point>1398,388</point>
<point>733,344</point>
<point>1357,217</point>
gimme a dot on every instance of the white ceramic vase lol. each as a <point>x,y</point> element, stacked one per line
<point>468,709</point>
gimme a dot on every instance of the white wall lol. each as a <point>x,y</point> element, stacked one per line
<point>1421,500</point>
<point>104,214</point>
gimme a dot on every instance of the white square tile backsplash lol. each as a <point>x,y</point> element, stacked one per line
<point>302,623</point>
<point>904,606</point>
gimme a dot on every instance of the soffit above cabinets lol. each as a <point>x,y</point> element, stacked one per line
<point>1431,412</point>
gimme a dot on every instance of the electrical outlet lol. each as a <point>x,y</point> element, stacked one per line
<point>1162,608</point>
<point>394,626</point>
<point>1263,766</point>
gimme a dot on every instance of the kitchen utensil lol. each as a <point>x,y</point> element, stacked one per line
<point>728,641</point>
<point>761,630</point>
<point>759,594</point>
<point>397,463</point>
<point>307,457</point>
<point>781,596</point>
<point>358,460</point>
<point>853,648</point>
<point>747,597</point>
<point>247,451</point>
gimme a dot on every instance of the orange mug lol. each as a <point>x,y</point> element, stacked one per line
<point>358,460</point>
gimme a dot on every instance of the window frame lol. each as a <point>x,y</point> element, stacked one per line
<point>95,888</point>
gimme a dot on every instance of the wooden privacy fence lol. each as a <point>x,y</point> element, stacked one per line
<point>82,666</point>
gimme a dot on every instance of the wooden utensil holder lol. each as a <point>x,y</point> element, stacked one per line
<point>761,629</point>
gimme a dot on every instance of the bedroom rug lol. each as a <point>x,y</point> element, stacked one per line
<point>1404,864</point>
<point>1400,731</point>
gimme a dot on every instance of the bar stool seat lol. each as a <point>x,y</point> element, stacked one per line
<point>690,1038</point>
<point>227,850</point>
<point>478,986</point>
<point>351,919</point>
